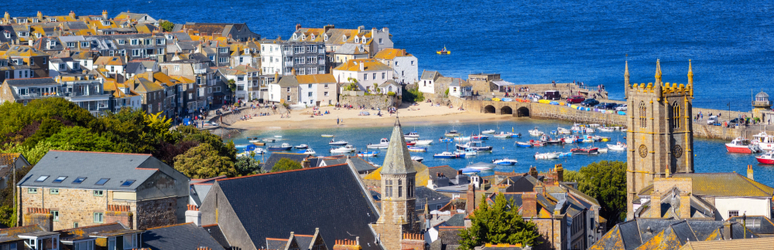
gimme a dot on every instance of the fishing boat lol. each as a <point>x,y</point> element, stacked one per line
<point>475,145</point>
<point>423,142</point>
<point>482,166</point>
<point>444,51</point>
<point>617,147</point>
<point>282,147</point>
<point>606,129</point>
<point>585,151</point>
<point>570,139</point>
<point>767,158</point>
<point>383,144</point>
<point>301,146</point>
<point>448,155</point>
<point>488,131</point>
<point>742,146</point>
<point>764,141</point>
<point>535,132</point>
<point>417,149</point>
<point>546,156</point>
<point>417,158</point>
<point>268,140</point>
<point>337,143</point>
<point>524,144</point>
<point>587,139</point>
<point>326,135</point>
<point>504,161</point>
<point>589,130</point>
<point>479,137</point>
<point>412,134</point>
<point>563,131</point>
<point>368,154</point>
<point>452,133</point>
<point>462,138</point>
<point>307,151</point>
<point>445,140</point>
<point>344,149</point>
<point>548,141</point>
<point>466,152</point>
<point>503,135</point>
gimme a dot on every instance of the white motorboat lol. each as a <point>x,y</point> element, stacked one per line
<point>462,138</point>
<point>417,158</point>
<point>344,149</point>
<point>535,132</point>
<point>602,150</point>
<point>503,135</point>
<point>452,133</point>
<point>467,152</point>
<point>326,135</point>
<point>563,131</point>
<point>412,134</point>
<point>546,156</point>
<point>764,141</point>
<point>475,145</point>
<point>589,130</point>
<point>282,147</point>
<point>447,154</point>
<point>337,143</point>
<point>368,154</point>
<point>606,129</point>
<point>383,144</point>
<point>483,166</point>
<point>423,142</point>
<point>307,151</point>
<point>767,158</point>
<point>301,146</point>
<point>617,147</point>
<point>489,131</point>
<point>504,161</point>
<point>417,149</point>
<point>259,151</point>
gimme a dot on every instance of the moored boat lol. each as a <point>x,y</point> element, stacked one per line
<point>368,154</point>
<point>585,151</point>
<point>617,147</point>
<point>524,144</point>
<point>742,146</point>
<point>767,158</point>
<point>412,134</point>
<point>448,155</point>
<point>344,149</point>
<point>535,132</point>
<point>546,156</point>
<point>383,143</point>
<point>483,166</point>
<point>307,151</point>
<point>417,158</point>
<point>764,141</point>
<point>452,133</point>
<point>337,143</point>
<point>504,161</point>
<point>282,147</point>
<point>301,146</point>
<point>475,145</point>
<point>423,142</point>
<point>479,137</point>
<point>445,140</point>
<point>563,131</point>
<point>488,131</point>
<point>606,129</point>
<point>503,135</point>
<point>462,138</point>
<point>417,149</point>
<point>466,152</point>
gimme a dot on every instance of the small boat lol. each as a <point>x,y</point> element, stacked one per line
<point>594,125</point>
<point>537,143</point>
<point>570,139</point>
<point>524,144</point>
<point>503,135</point>
<point>504,161</point>
<point>443,51</point>
<point>423,142</point>
<point>563,131</point>
<point>412,134</point>
<point>307,151</point>
<point>417,158</point>
<point>617,147</point>
<point>466,153</point>
<point>470,171</point>
<point>277,136</point>
<point>764,141</point>
<point>588,139</point>
<point>585,151</point>
<point>257,143</point>
<point>589,130</point>
<point>767,158</point>
<point>479,137</point>
<point>417,149</point>
<point>259,151</point>
<point>489,131</point>
<point>563,154</point>
<point>445,139</point>
<point>546,156</point>
<point>475,145</point>
<point>742,146</point>
<point>344,149</point>
<point>535,132</point>
<point>602,150</point>
<point>326,135</point>
<point>268,140</point>
<point>383,143</point>
<point>601,138</point>
<point>452,133</point>
<point>462,138</point>
<point>448,155</point>
<point>254,141</point>
<point>368,154</point>
<point>606,129</point>
<point>337,143</point>
<point>301,146</point>
<point>548,141</point>
<point>282,147</point>
<point>411,138</point>
<point>410,143</point>
<point>482,166</point>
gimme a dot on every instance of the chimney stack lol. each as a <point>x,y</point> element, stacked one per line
<point>559,173</point>
<point>362,66</point>
<point>470,204</point>
<point>104,15</point>
<point>193,215</point>
<point>750,172</point>
<point>298,26</point>
<point>150,74</point>
<point>727,233</point>
<point>529,205</point>
<point>326,28</point>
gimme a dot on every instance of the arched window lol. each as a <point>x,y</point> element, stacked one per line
<point>643,114</point>
<point>675,115</point>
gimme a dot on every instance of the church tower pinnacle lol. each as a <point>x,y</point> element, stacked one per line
<point>658,72</point>
<point>690,73</point>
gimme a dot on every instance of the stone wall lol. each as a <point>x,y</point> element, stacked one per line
<point>372,101</point>
<point>69,214</point>
<point>539,110</point>
<point>551,232</point>
<point>156,213</point>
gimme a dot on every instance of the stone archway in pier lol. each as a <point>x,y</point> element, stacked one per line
<point>523,111</point>
<point>506,110</point>
<point>489,109</point>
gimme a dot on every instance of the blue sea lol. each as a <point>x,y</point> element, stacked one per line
<point>731,43</point>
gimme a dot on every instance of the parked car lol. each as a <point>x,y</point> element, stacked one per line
<point>552,95</point>
<point>575,99</point>
<point>611,105</point>
<point>621,107</point>
<point>589,102</point>
<point>712,119</point>
<point>736,120</point>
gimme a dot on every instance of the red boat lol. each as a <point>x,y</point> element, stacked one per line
<point>410,143</point>
<point>585,151</point>
<point>742,146</point>
<point>536,143</point>
<point>767,158</point>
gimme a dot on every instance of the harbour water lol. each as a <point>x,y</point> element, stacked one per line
<point>530,41</point>
<point>710,155</point>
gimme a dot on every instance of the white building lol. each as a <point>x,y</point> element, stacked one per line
<point>427,81</point>
<point>405,66</point>
<point>367,72</point>
<point>460,88</point>
<point>246,80</point>
<point>271,57</point>
<point>391,86</point>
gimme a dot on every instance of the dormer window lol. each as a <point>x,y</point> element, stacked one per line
<point>247,51</point>
<point>84,44</point>
<point>344,37</point>
<point>357,39</point>
<point>7,34</point>
<point>121,41</point>
<point>134,41</point>
<point>106,23</point>
<point>363,39</point>
<point>312,37</point>
<point>325,37</point>
<point>295,37</point>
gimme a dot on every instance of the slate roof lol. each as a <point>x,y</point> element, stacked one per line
<point>200,188</point>
<point>135,68</point>
<point>275,157</point>
<point>664,233</point>
<point>433,197</point>
<point>351,49</point>
<point>757,224</point>
<point>288,81</point>
<point>43,81</point>
<point>360,164</point>
<point>104,230</point>
<point>180,236</point>
<point>329,198</point>
<point>117,167</point>
<point>757,243</point>
<point>217,234</point>
<point>448,239</point>
<point>429,75</point>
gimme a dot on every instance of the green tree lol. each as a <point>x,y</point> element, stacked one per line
<point>80,139</point>
<point>232,85</point>
<point>248,165</point>
<point>446,93</point>
<point>498,223</point>
<point>606,182</point>
<point>352,86</point>
<point>166,26</point>
<point>413,94</point>
<point>203,161</point>
<point>572,176</point>
<point>285,164</point>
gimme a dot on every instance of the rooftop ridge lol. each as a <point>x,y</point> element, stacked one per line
<point>166,226</point>
<point>96,152</point>
<point>273,173</point>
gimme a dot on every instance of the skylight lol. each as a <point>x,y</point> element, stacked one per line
<point>79,180</point>
<point>127,183</point>
<point>60,179</point>
<point>42,178</point>
<point>102,181</point>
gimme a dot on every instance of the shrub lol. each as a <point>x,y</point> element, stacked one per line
<point>391,93</point>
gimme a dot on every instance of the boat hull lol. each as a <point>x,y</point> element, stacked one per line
<point>738,149</point>
<point>279,148</point>
<point>766,161</point>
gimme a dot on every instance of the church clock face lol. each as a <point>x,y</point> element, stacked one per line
<point>678,151</point>
<point>643,150</point>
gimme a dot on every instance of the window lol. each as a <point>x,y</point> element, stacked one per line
<point>402,73</point>
<point>42,178</point>
<point>400,188</point>
<point>643,112</point>
<point>365,76</point>
<point>410,188</point>
<point>98,217</point>
<point>55,214</point>
<point>98,192</point>
<point>84,44</point>
<point>83,245</point>
<point>75,224</point>
<point>288,89</point>
<point>136,52</point>
<point>223,50</point>
<point>60,179</point>
<point>127,183</point>
<point>675,115</point>
<point>383,75</point>
<point>380,41</point>
<point>130,241</point>
<point>102,181</point>
<point>326,93</point>
<point>388,188</point>
<point>310,94</point>
<point>79,180</point>
<point>177,67</point>
<point>733,213</point>
<point>32,190</point>
<point>412,63</point>
<point>374,75</point>
<point>134,41</point>
<point>53,191</point>
<point>288,98</point>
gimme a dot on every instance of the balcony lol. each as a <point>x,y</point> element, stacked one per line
<point>288,64</point>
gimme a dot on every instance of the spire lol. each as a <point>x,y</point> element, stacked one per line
<point>690,73</point>
<point>658,71</point>
<point>626,74</point>
<point>397,160</point>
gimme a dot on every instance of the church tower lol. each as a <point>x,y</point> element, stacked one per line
<point>398,201</point>
<point>659,135</point>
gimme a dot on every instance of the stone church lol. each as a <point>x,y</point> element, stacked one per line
<point>659,135</point>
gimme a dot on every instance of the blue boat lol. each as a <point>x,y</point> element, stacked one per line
<point>504,162</point>
<point>445,140</point>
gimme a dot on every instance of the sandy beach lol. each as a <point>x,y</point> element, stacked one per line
<point>424,113</point>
